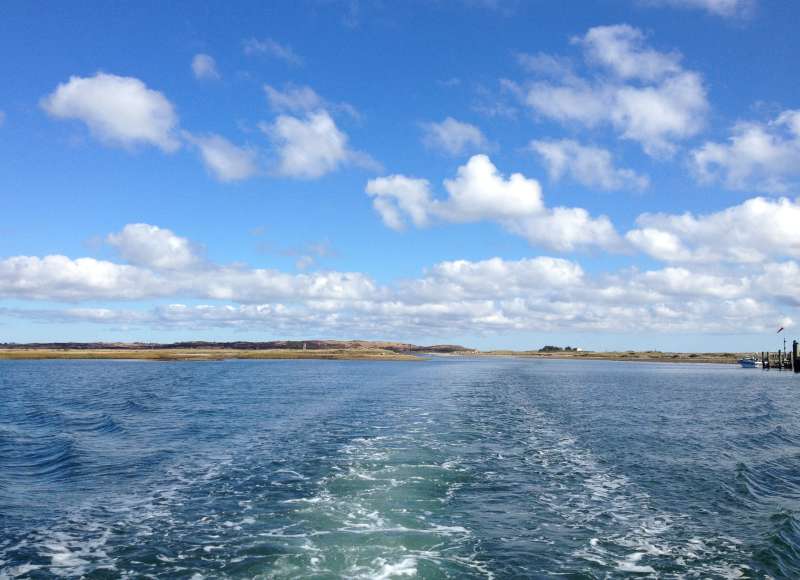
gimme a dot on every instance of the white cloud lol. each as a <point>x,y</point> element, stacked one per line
<point>725,8</point>
<point>312,146</point>
<point>588,165</point>
<point>781,281</point>
<point>117,110</point>
<point>61,278</point>
<point>760,156</point>
<point>309,147</point>
<point>225,160</point>
<point>621,50</point>
<point>453,297</point>
<point>293,99</point>
<point>660,244</point>
<point>495,277</point>
<point>162,263</point>
<point>204,67</point>
<point>757,230</point>
<point>85,279</point>
<point>566,229</point>
<point>271,48</point>
<point>397,195</point>
<point>154,247</point>
<point>644,94</point>
<point>576,102</point>
<point>684,282</point>
<point>453,137</point>
<point>480,192</point>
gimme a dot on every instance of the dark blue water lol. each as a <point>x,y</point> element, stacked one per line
<point>452,468</point>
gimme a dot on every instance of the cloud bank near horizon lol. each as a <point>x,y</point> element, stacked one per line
<point>542,293</point>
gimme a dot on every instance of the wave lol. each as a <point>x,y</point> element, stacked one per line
<point>781,553</point>
<point>93,422</point>
<point>40,459</point>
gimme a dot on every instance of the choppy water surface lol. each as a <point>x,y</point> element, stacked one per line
<point>452,468</point>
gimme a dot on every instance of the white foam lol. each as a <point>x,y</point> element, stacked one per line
<point>21,570</point>
<point>405,567</point>
<point>625,566</point>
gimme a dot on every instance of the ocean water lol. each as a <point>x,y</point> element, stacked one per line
<point>452,468</point>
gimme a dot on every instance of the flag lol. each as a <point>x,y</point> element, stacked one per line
<point>779,330</point>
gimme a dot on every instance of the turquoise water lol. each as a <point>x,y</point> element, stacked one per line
<point>452,468</point>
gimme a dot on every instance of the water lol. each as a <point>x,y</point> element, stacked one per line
<point>452,468</point>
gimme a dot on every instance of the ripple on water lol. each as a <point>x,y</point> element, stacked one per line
<point>566,496</point>
<point>251,472</point>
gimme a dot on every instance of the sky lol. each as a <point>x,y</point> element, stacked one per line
<point>614,174</point>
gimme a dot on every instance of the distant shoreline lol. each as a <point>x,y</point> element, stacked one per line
<point>629,356</point>
<point>200,355</point>
<point>361,351</point>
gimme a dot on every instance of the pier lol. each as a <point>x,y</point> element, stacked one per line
<point>781,359</point>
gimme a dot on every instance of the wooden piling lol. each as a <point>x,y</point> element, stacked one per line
<point>795,356</point>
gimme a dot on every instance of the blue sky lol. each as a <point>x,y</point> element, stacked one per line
<point>612,174</point>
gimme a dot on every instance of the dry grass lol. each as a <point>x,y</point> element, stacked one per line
<point>630,355</point>
<point>195,354</point>
<point>202,355</point>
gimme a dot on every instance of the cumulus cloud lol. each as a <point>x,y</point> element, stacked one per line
<point>117,110</point>
<point>566,229</point>
<point>124,111</point>
<point>84,279</point>
<point>161,263</point>
<point>226,161</point>
<point>751,232</point>
<point>398,196</point>
<point>58,277</point>
<point>621,49</point>
<point>588,165</point>
<point>479,192</point>
<point>540,293</point>
<point>461,296</point>
<point>759,156</point>
<point>453,137</point>
<point>465,279</point>
<point>154,247</point>
<point>645,95</point>
<point>204,67</point>
<point>271,48</point>
<point>311,146</point>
